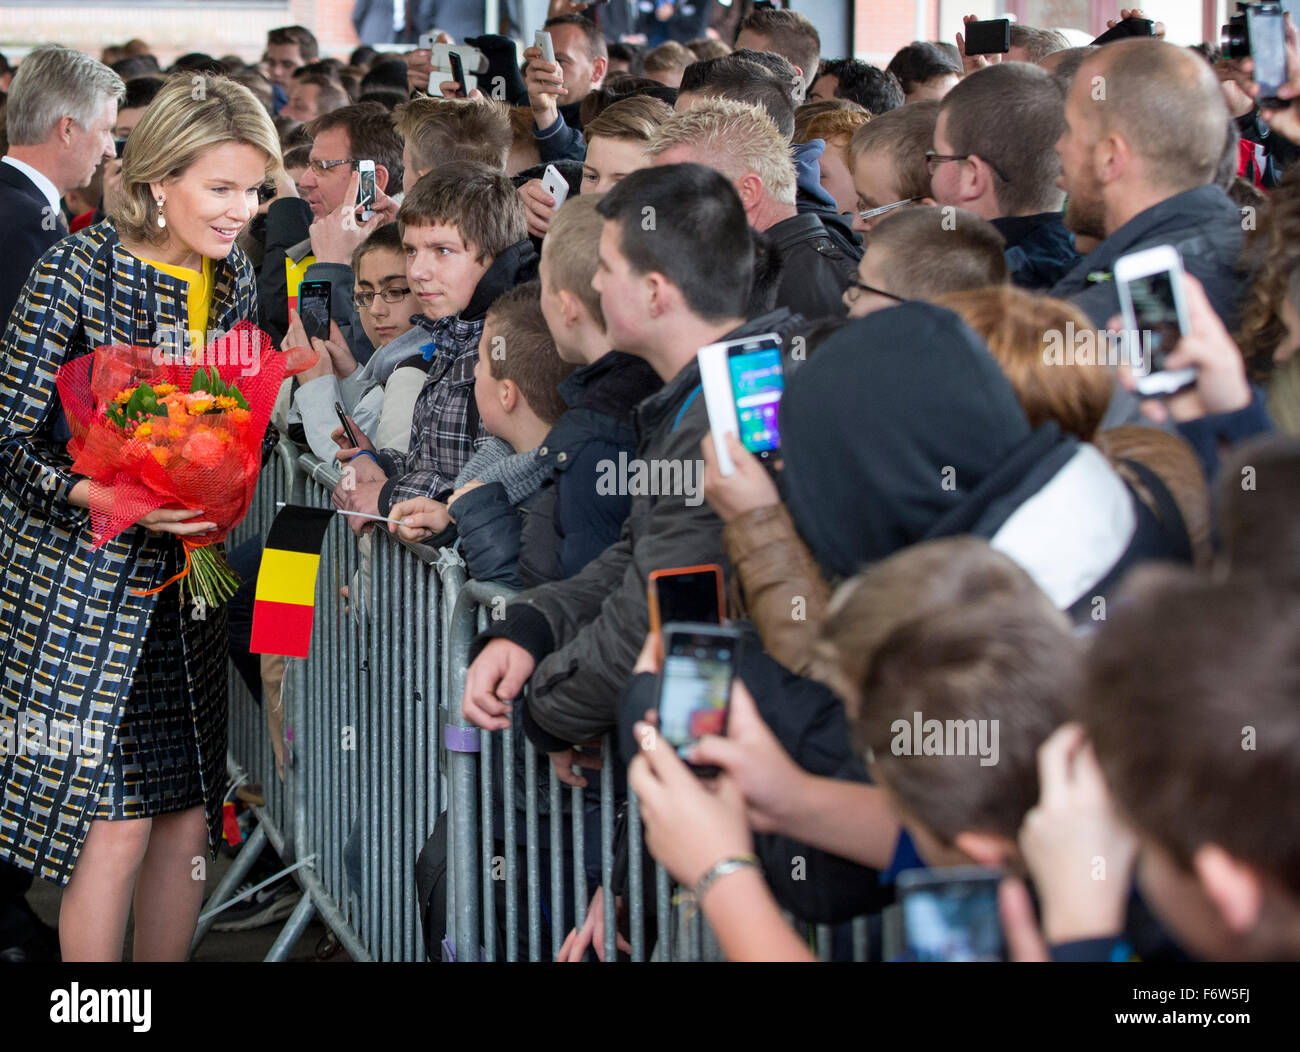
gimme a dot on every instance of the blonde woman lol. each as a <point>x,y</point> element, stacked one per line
<point>123,807</point>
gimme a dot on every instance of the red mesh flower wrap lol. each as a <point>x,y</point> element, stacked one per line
<point>183,450</point>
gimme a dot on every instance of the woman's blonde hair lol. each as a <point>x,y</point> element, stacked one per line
<point>189,116</point>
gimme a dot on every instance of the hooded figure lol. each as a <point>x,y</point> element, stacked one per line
<point>902,427</point>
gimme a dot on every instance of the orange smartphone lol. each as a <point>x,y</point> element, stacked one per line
<point>686,593</point>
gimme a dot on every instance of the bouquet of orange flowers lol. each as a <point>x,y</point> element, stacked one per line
<point>176,432</point>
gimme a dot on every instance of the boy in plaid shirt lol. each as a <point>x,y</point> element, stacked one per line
<point>466,239</point>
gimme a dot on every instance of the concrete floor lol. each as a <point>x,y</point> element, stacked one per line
<point>219,945</point>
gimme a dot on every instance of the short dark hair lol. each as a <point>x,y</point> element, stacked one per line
<point>325,67</point>
<point>363,56</point>
<point>778,65</point>
<point>297,156</point>
<point>386,73</point>
<point>1011,115</point>
<point>530,357</point>
<point>730,77</point>
<point>387,238</point>
<point>198,62</point>
<point>370,134</point>
<point>629,53</point>
<point>136,66</point>
<point>475,198</point>
<point>1173,674</point>
<point>933,251</point>
<point>330,95</point>
<point>596,47</point>
<point>699,238</point>
<point>875,90</point>
<point>389,98</point>
<point>1257,501</point>
<point>920,62</point>
<point>600,99</point>
<point>140,91</point>
<point>300,36</point>
<point>791,35</point>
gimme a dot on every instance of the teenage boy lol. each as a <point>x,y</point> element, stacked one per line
<point>667,287</point>
<point>465,235</point>
<point>516,390</point>
<point>887,157</point>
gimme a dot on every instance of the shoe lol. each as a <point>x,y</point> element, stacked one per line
<point>274,902</point>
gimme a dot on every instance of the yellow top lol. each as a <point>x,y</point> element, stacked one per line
<point>199,296</point>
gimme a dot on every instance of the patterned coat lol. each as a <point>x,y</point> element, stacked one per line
<point>71,631</point>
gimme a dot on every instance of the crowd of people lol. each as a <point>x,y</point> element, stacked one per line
<point>975,517</point>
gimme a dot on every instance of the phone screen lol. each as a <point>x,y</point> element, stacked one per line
<point>757,383</point>
<point>1268,49</point>
<point>953,920</point>
<point>314,309</point>
<point>688,597</point>
<point>366,189</point>
<point>695,689</point>
<point>1156,313</point>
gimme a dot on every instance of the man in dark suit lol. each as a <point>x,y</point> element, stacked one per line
<point>59,116</point>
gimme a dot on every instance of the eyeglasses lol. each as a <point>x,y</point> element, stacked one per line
<point>865,216</point>
<point>856,289</point>
<point>392,294</point>
<point>933,160</point>
<point>321,167</point>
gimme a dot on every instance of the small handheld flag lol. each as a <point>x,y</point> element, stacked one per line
<point>284,602</point>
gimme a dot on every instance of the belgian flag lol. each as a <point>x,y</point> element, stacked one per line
<point>284,602</point>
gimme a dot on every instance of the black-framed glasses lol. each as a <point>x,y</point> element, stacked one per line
<point>857,288</point>
<point>392,294</point>
<point>321,167</point>
<point>872,213</point>
<point>933,160</point>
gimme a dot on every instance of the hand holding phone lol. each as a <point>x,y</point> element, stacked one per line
<point>1150,288</point>
<point>951,914</point>
<point>542,40</point>
<point>695,685</point>
<point>556,185</point>
<point>314,309</point>
<point>743,381</point>
<point>347,426</point>
<point>989,37</point>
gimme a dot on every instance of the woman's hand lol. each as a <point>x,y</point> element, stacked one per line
<point>179,521</point>
<point>592,932</point>
<point>745,489</point>
<point>421,518</point>
<point>539,207</point>
<point>690,822</point>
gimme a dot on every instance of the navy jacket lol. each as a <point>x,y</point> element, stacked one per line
<point>1040,251</point>
<point>1203,224</point>
<point>30,228</point>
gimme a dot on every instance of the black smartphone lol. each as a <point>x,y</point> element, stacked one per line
<point>314,308</point>
<point>686,593</point>
<point>989,37</point>
<point>695,685</point>
<point>347,427</point>
<point>951,914</point>
<point>1128,27</point>
<point>1267,30</point>
<point>458,72</point>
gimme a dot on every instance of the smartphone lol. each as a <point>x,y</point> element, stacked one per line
<point>990,37</point>
<point>314,308</point>
<point>695,685</point>
<point>1266,25</point>
<point>458,73</point>
<point>743,382</point>
<point>542,41</point>
<point>555,184</point>
<point>366,190</point>
<point>686,593</point>
<point>1150,287</point>
<point>427,41</point>
<point>347,427</point>
<point>952,914</point>
<point>1128,27</point>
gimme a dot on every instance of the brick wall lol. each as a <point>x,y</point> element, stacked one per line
<point>881,27</point>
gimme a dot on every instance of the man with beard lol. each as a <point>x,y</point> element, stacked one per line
<point>1145,128</point>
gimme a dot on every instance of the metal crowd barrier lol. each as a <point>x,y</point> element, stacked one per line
<point>377,749</point>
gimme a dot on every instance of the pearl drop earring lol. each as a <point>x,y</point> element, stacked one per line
<point>162,221</point>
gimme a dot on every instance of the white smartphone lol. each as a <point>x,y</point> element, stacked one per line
<point>366,190</point>
<point>542,40</point>
<point>743,381</point>
<point>555,184</point>
<point>1150,287</point>
<point>427,41</point>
